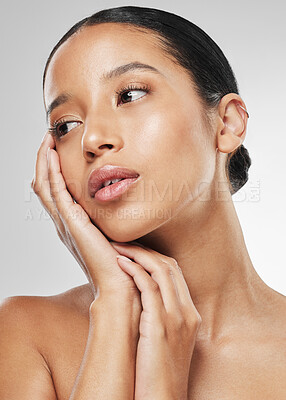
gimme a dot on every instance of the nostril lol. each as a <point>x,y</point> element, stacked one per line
<point>90,154</point>
<point>108,145</point>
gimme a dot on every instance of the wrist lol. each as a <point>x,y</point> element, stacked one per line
<point>123,309</point>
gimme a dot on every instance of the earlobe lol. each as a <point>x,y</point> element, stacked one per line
<point>234,117</point>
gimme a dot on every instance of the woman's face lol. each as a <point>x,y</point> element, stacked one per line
<point>158,129</point>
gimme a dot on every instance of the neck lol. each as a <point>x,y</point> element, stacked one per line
<point>207,241</point>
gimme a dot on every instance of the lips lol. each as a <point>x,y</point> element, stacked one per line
<point>108,173</point>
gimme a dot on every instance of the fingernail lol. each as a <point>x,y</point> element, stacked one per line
<point>123,258</point>
<point>44,138</point>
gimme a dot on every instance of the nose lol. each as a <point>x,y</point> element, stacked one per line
<point>97,140</point>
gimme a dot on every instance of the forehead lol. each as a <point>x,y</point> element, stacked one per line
<point>95,50</point>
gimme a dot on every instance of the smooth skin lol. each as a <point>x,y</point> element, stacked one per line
<point>191,276</point>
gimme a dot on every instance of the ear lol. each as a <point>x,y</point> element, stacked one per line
<point>233,121</point>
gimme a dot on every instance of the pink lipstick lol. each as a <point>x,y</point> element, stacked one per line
<point>109,182</point>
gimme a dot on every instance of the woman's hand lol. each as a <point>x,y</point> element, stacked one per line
<point>168,325</point>
<point>87,244</point>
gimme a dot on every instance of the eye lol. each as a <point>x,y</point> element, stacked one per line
<point>131,93</point>
<point>61,128</point>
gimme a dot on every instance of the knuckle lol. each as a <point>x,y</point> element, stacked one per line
<point>179,269</point>
<point>179,324</point>
<point>176,266</point>
<point>170,271</point>
<point>173,265</point>
<point>199,319</point>
<point>173,262</point>
<point>166,269</point>
<point>194,320</point>
<point>190,313</point>
<point>36,186</point>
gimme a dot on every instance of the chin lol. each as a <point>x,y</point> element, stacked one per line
<point>125,230</point>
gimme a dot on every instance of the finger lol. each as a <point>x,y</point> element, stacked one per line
<point>40,182</point>
<point>41,171</point>
<point>134,243</point>
<point>160,272</point>
<point>61,198</point>
<point>74,217</point>
<point>179,278</point>
<point>180,283</point>
<point>151,298</point>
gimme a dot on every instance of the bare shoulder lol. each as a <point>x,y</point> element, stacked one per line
<point>76,299</point>
<point>42,338</point>
<point>37,316</point>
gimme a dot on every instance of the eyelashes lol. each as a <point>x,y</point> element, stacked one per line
<point>127,91</point>
<point>124,96</point>
<point>58,127</point>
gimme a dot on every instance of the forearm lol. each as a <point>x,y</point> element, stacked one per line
<point>107,371</point>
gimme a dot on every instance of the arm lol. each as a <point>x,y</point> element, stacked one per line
<point>108,365</point>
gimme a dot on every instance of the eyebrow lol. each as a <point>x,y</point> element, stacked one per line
<point>61,99</point>
<point>122,69</point>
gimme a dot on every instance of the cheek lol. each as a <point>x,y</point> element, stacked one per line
<point>157,135</point>
<point>174,150</point>
<point>195,159</point>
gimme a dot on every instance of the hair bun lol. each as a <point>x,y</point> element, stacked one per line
<point>237,165</point>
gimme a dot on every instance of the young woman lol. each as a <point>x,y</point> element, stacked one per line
<point>143,153</point>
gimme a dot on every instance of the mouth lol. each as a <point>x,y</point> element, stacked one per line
<point>110,182</point>
<point>114,190</point>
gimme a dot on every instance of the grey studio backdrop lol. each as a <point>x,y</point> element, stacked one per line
<point>252,35</point>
